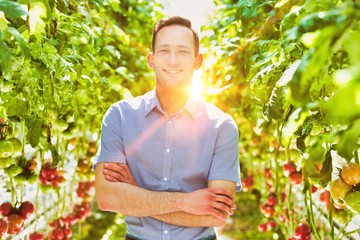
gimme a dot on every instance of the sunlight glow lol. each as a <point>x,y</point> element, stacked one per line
<point>197,11</point>
<point>197,84</point>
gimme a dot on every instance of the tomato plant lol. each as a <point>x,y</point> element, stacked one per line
<point>62,64</point>
<point>279,67</point>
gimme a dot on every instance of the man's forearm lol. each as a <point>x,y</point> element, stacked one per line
<point>131,200</point>
<point>190,220</point>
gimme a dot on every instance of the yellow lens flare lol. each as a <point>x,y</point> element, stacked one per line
<point>197,84</point>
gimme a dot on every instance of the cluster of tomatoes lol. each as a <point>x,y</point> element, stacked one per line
<point>248,182</point>
<point>290,170</point>
<point>8,146</point>
<point>14,216</point>
<point>28,170</point>
<point>302,232</point>
<point>83,190</point>
<point>268,208</point>
<point>62,226</point>
<point>51,176</point>
<point>345,189</point>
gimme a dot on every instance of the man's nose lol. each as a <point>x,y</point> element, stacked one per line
<point>173,58</point>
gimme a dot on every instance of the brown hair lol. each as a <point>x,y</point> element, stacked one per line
<point>175,20</point>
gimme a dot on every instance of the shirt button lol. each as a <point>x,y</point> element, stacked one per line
<point>165,179</point>
<point>168,150</point>
<point>169,122</point>
<point>166,231</point>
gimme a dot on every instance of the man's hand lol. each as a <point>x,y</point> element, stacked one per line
<point>118,172</point>
<point>213,201</point>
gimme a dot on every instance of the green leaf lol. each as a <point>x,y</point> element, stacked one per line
<point>23,44</point>
<point>5,55</point>
<point>12,9</point>
<point>316,152</point>
<point>292,124</point>
<point>352,46</point>
<point>279,101</point>
<point>34,126</point>
<point>335,108</point>
<point>55,155</point>
<point>16,107</point>
<point>348,141</point>
<point>3,21</point>
<point>326,170</point>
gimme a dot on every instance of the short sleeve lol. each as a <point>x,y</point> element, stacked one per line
<point>225,164</point>
<point>111,142</point>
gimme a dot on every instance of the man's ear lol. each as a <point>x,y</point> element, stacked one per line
<point>150,58</point>
<point>198,61</point>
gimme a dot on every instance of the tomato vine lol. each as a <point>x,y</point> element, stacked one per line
<point>288,71</point>
<point>62,64</point>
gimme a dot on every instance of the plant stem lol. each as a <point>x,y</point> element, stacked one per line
<point>331,221</point>
<point>311,214</point>
<point>356,156</point>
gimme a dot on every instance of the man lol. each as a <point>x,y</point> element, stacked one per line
<point>168,161</point>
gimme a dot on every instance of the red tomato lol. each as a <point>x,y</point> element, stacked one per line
<point>295,178</point>
<point>267,172</point>
<point>67,231</point>
<point>5,208</point>
<point>26,209</point>
<point>15,223</point>
<point>3,226</point>
<point>263,227</point>
<point>324,198</point>
<point>36,236</point>
<point>267,210</point>
<point>289,168</point>
<point>248,183</point>
<point>272,224</point>
<point>57,234</point>
<point>302,232</point>
<point>272,200</point>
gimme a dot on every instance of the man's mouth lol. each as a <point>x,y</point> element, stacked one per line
<point>172,71</point>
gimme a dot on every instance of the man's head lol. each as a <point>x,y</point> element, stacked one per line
<point>175,53</point>
<point>176,20</point>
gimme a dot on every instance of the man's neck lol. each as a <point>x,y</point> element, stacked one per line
<point>172,101</point>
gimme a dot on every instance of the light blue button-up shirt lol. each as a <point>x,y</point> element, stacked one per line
<point>178,153</point>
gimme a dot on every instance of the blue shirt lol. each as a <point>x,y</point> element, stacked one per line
<point>178,153</point>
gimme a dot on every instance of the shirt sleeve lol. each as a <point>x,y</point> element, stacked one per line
<point>225,164</point>
<point>111,143</point>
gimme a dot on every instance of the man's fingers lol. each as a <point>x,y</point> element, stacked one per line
<point>226,201</point>
<point>115,168</point>
<point>219,214</point>
<point>224,192</point>
<point>110,178</point>
<point>224,208</point>
<point>114,175</point>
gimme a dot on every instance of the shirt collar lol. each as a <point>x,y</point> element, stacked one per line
<point>191,105</point>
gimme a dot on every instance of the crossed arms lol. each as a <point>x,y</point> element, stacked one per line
<point>117,191</point>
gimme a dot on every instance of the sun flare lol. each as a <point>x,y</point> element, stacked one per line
<point>197,84</point>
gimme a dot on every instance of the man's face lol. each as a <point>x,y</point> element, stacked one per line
<point>174,58</point>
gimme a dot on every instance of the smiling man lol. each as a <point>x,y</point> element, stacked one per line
<point>168,160</point>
